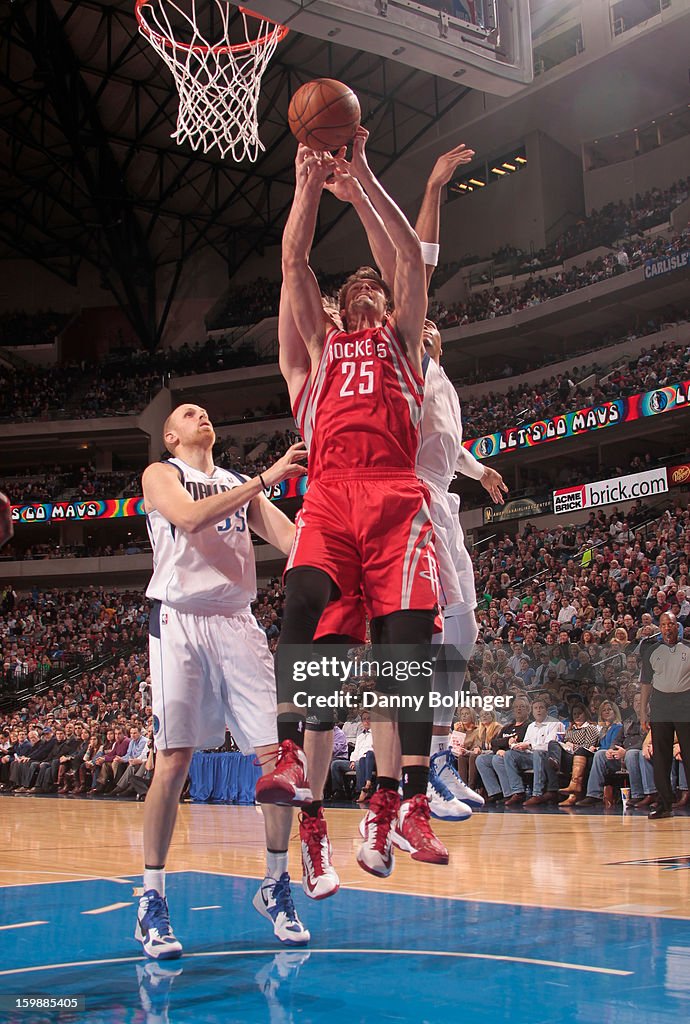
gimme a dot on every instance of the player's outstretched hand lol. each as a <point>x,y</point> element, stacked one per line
<point>447,163</point>
<point>288,465</point>
<point>343,186</point>
<point>6,528</point>
<point>359,165</point>
<point>492,481</point>
<point>312,168</point>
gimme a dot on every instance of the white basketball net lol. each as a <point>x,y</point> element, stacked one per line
<point>218,82</point>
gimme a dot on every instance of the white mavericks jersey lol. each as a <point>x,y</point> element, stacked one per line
<point>211,572</point>
<point>441,431</point>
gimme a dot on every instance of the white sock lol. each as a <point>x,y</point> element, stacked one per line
<point>154,878</point>
<point>276,863</point>
<point>438,743</point>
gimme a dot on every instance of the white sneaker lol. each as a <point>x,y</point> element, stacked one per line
<point>375,855</point>
<point>442,767</point>
<point>274,901</point>
<point>443,805</point>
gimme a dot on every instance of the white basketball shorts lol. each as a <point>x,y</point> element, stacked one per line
<point>209,672</point>
<point>454,563</point>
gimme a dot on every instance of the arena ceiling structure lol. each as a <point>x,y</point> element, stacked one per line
<point>88,171</point>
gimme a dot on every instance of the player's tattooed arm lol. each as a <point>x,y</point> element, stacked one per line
<point>163,491</point>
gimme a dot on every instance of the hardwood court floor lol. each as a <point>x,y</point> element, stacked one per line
<point>597,862</point>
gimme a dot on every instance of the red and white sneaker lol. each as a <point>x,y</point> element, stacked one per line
<point>375,855</point>
<point>413,832</point>
<point>287,783</point>
<point>319,877</point>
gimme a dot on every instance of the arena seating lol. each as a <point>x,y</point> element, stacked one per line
<point>561,593</point>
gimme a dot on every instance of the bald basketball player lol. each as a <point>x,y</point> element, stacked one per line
<point>209,659</point>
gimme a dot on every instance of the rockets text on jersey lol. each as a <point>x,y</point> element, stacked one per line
<point>362,408</point>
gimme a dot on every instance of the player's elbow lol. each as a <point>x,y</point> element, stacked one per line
<point>410,248</point>
<point>294,265</point>
<point>189,523</point>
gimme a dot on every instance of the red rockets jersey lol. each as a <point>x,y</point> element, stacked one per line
<point>362,409</point>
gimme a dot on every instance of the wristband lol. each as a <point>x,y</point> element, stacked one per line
<point>263,482</point>
<point>430,251</point>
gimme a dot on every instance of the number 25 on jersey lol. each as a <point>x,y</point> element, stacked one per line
<point>362,384</point>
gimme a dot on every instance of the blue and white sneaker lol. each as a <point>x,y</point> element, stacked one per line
<point>443,767</point>
<point>274,901</point>
<point>443,805</point>
<point>153,928</point>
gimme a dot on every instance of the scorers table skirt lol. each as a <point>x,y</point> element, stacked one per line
<point>223,778</point>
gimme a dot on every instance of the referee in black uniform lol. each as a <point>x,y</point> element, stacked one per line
<point>665,683</point>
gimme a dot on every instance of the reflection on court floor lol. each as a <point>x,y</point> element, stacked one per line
<point>374,957</point>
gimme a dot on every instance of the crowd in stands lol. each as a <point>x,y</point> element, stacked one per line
<point>73,391</point>
<point>614,222</point>
<point>604,227</point>
<point>56,629</point>
<point>20,328</point>
<point>526,403</point>
<point>137,543</point>
<point>488,304</point>
<point>121,385</point>
<point>64,483</point>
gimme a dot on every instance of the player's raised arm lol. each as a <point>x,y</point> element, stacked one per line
<point>163,491</point>
<point>410,281</point>
<point>311,170</point>
<point>429,216</point>
<point>293,356</point>
<point>346,188</point>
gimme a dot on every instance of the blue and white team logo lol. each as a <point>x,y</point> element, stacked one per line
<point>156,723</point>
<point>485,447</point>
<point>658,401</point>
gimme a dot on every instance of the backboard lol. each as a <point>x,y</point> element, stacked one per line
<point>483,44</point>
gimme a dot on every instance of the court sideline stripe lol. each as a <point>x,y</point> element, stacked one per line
<point>22,924</point>
<point>585,968</point>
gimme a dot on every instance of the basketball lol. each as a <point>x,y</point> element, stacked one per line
<point>324,114</point>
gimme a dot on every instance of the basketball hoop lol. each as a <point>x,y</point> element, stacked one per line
<point>218,81</point>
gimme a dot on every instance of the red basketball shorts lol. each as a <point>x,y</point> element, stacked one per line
<point>372,534</point>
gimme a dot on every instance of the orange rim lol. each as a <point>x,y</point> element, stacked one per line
<point>221,47</point>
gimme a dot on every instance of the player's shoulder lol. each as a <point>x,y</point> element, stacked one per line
<point>162,470</point>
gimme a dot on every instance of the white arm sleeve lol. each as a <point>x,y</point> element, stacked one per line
<point>468,465</point>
